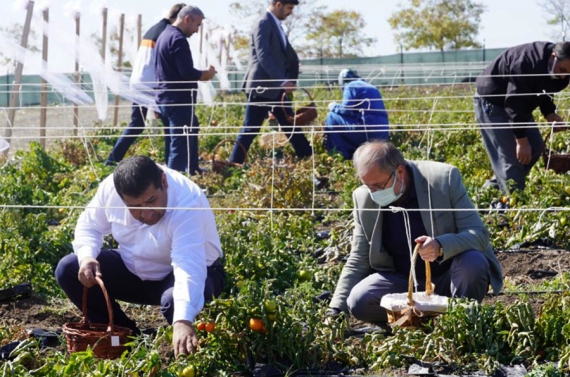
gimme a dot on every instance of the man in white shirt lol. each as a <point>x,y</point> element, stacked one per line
<point>169,250</point>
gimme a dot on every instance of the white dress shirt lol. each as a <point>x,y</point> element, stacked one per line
<point>184,240</point>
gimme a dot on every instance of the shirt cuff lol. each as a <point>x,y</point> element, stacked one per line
<point>84,252</point>
<point>184,311</point>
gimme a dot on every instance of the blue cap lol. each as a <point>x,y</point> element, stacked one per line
<point>346,75</point>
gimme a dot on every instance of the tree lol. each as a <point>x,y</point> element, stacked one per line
<point>439,24</point>
<point>246,13</point>
<point>558,14</point>
<point>113,42</point>
<point>336,34</point>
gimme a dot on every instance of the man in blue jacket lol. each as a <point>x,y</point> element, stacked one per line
<point>361,117</point>
<point>177,87</point>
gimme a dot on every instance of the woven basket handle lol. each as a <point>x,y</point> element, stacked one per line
<point>226,141</point>
<point>109,308</point>
<point>284,95</point>
<point>429,286</point>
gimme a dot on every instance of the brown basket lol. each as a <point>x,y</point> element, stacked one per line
<point>411,316</point>
<point>560,163</point>
<point>106,341</point>
<point>221,166</point>
<point>303,116</point>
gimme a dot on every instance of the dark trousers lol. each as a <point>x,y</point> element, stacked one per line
<point>181,124</point>
<point>467,277</point>
<point>255,113</point>
<point>501,145</point>
<point>134,129</point>
<point>123,285</point>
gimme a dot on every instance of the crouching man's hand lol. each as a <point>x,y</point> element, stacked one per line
<point>334,315</point>
<point>184,338</point>
<point>88,269</point>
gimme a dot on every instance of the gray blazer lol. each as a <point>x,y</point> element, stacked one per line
<point>456,231</point>
<point>271,62</point>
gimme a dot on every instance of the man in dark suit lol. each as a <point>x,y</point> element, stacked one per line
<point>273,70</point>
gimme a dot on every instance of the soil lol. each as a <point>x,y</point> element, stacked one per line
<point>59,123</point>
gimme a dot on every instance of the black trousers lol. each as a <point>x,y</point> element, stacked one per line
<point>121,284</point>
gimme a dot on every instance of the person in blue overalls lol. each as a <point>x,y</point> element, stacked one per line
<point>359,118</point>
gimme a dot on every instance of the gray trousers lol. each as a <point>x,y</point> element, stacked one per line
<point>468,277</point>
<point>501,146</point>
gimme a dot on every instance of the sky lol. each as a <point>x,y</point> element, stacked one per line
<point>505,22</point>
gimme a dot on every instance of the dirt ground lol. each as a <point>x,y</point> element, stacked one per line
<point>526,266</point>
<point>59,123</point>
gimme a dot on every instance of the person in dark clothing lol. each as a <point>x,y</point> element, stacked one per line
<point>177,86</point>
<point>518,81</point>
<point>142,79</point>
<point>273,70</point>
<point>359,118</point>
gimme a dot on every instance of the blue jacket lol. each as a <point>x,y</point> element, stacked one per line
<point>174,69</point>
<point>361,117</point>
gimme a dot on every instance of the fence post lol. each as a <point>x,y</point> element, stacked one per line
<point>43,101</point>
<point>18,76</point>
<point>120,67</point>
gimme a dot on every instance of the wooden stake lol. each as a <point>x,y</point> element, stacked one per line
<point>43,100</point>
<point>139,30</point>
<point>77,74</point>
<point>104,36</point>
<point>119,67</point>
<point>18,76</point>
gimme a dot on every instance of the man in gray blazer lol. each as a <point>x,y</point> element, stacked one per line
<point>402,203</point>
<point>273,70</point>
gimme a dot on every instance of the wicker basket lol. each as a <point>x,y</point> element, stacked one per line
<point>222,166</point>
<point>407,310</point>
<point>560,163</point>
<point>106,341</point>
<point>303,116</point>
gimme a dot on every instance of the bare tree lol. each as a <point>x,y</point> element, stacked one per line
<point>558,14</point>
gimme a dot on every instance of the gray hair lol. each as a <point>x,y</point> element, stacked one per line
<point>562,50</point>
<point>192,11</point>
<point>377,154</point>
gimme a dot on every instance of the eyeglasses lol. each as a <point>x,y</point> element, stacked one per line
<point>381,187</point>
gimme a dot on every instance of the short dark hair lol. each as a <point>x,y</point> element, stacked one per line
<point>134,175</point>
<point>173,12</point>
<point>294,2</point>
<point>562,50</point>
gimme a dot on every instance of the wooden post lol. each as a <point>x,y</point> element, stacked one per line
<point>18,75</point>
<point>139,30</point>
<point>120,67</point>
<point>77,74</point>
<point>43,100</point>
<point>104,36</point>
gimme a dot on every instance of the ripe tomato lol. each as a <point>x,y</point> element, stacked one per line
<point>201,326</point>
<point>256,324</point>
<point>210,326</point>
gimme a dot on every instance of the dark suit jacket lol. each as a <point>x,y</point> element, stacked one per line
<point>456,231</point>
<point>271,63</point>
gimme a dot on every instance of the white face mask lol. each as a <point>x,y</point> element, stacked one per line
<point>387,196</point>
<point>551,71</point>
